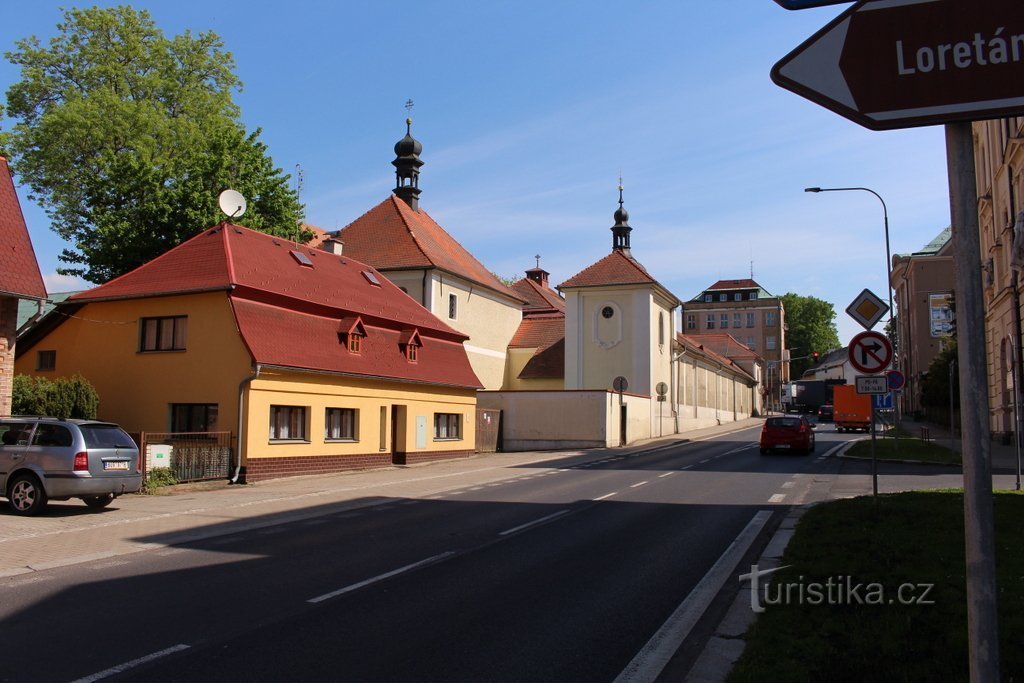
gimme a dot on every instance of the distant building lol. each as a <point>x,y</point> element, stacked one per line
<point>536,353</point>
<point>752,315</point>
<point>923,282</point>
<point>19,279</point>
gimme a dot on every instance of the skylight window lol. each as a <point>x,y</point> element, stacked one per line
<point>371,278</point>
<point>301,258</point>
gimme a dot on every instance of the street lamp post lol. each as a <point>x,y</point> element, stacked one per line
<point>888,283</point>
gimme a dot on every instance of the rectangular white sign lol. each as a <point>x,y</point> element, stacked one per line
<point>872,384</point>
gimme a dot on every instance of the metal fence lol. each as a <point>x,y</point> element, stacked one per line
<point>191,456</point>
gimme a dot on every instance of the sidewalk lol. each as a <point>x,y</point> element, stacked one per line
<point>69,533</point>
<point>1004,456</point>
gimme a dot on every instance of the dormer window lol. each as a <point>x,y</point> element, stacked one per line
<point>351,333</point>
<point>409,341</point>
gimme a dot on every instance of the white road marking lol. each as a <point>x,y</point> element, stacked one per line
<point>652,658</point>
<point>667,474</point>
<point>741,448</point>
<point>633,486</point>
<point>607,495</point>
<point>381,577</point>
<point>704,461</point>
<point>788,484</point>
<point>777,498</point>
<point>533,523</point>
<point>129,665</point>
<point>682,469</point>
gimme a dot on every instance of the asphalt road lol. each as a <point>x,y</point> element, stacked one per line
<point>560,571</point>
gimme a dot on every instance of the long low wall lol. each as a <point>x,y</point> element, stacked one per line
<point>552,420</point>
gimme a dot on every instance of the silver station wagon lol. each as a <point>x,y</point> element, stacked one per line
<point>44,458</point>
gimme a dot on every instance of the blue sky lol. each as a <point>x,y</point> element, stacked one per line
<point>529,110</point>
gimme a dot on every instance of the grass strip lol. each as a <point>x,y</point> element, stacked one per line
<point>914,539</point>
<point>906,449</point>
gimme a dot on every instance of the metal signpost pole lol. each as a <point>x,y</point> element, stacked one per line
<point>976,449</point>
<point>874,460</point>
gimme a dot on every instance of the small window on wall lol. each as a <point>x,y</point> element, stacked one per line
<point>287,423</point>
<point>691,321</point>
<point>453,307</point>
<point>769,318</point>
<point>711,321</point>
<point>661,329</point>
<point>724,321</point>
<point>46,360</point>
<point>750,319</point>
<point>355,342</point>
<point>769,342</point>
<point>447,426</point>
<point>340,424</point>
<point>193,417</point>
<point>163,334</point>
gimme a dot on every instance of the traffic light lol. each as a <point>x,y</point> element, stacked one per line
<point>814,356</point>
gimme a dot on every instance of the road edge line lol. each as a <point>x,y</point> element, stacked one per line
<point>652,658</point>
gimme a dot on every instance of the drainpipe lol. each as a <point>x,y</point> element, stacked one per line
<point>675,390</point>
<point>239,476</point>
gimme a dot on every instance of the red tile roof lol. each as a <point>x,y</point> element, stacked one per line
<point>614,269</point>
<point>279,336</point>
<point>733,284</point>
<point>391,236</point>
<point>547,363</point>
<point>538,297</point>
<point>19,270</point>
<point>724,345</point>
<point>689,342</point>
<point>290,314</point>
<point>539,331</point>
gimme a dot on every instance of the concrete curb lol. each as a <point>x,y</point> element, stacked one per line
<point>726,645</point>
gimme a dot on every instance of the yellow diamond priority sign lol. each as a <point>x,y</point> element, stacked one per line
<point>867,309</point>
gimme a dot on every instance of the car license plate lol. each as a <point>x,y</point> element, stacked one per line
<point>783,445</point>
<point>115,464</point>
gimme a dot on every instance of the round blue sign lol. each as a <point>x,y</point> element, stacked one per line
<point>896,379</point>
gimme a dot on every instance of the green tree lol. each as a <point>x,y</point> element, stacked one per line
<point>63,397</point>
<point>811,329</point>
<point>126,137</point>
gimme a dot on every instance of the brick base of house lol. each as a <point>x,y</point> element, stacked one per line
<point>8,331</point>
<point>258,469</point>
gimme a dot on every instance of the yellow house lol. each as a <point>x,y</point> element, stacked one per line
<point>315,362</point>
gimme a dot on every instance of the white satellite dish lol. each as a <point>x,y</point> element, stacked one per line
<point>232,203</point>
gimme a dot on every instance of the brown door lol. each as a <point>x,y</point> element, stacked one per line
<point>398,445</point>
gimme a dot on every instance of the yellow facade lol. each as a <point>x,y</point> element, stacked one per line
<point>101,342</point>
<point>416,406</point>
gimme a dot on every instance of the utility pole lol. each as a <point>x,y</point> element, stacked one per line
<point>979,526</point>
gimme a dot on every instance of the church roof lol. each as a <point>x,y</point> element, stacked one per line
<point>391,236</point>
<point>539,331</point>
<point>725,345</point>
<point>19,270</point>
<point>538,297</point>
<point>614,269</point>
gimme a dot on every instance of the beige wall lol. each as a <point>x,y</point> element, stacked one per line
<point>316,393</point>
<point>489,319</point>
<point>598,349</point>
<point>8,333</point>
<point>101,343</point>
<point>517,360</point>
<point>546,420</point>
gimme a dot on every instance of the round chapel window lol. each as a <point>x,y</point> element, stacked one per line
<point>607,312</point>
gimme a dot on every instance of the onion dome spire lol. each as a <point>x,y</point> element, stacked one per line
<point>621,229</point>
<point>407,167</point>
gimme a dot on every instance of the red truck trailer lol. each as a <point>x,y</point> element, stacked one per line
<point>851,411</point>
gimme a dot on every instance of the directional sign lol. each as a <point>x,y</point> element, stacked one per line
<point>895,63</point>
<point>896,379</point>
<point>804,4</point>
<point>870,352</point>
<point>882,401</point>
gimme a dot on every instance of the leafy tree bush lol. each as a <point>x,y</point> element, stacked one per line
<point>812,329</point>
<point>63,397</point>
<point>126,137</point>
